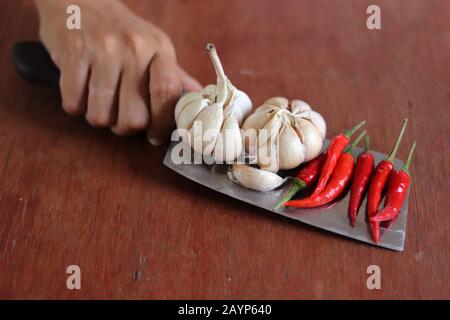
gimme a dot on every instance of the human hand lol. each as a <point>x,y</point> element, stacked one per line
<point>119,70</point>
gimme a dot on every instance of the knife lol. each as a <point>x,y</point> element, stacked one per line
<point>34,64</point>
<point>333,218</point>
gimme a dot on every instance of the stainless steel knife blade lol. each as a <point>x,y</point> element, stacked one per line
<point>333,218</point>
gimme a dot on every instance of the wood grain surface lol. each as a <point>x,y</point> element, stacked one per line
<point>72,194</point>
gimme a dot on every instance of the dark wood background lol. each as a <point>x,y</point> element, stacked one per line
<point>71,194</point>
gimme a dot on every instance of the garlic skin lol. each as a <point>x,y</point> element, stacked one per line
<point>288,134</point>
<point>253,178</point>
<point>218,110</point>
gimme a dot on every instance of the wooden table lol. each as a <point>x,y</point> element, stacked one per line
<point>74,195</point>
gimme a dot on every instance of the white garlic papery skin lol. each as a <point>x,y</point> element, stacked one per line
<point>214,116</point>
<point>288,133</point>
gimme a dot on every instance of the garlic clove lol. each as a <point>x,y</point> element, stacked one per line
<point>291,150</point>
<point>278,102</point>
<point>251,127</point>
<point>256,120</point>
<point>298,106</point>
<point>266,108</point>
<point>316,119</point>
<point>242,106</point>
<point>190,113</point>
<point>210,92</point>
<point>184,101</point>
<point>254,179</point>
<point>310,137</point>
<point>271,128</point>
<point>206,128</point>
<point>229,143</point>
<point>268,156</point>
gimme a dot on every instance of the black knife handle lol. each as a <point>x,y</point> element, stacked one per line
<point>34,64</point>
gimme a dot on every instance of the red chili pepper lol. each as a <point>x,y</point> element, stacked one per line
<point>363,171</point>
<point>396,192</point>
<point>311,171</point>
<point>332,155</point>
<point>337,184</point>
<point>306,176</point>
<point>378,184</point>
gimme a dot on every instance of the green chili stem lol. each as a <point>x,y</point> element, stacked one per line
<point>297,186</point>
<point>391,156</point>
<point>367,143</point>
<point>350,132</point>
<point>408,160</point>
<point>354,143</point>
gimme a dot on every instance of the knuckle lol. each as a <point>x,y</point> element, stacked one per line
<point>69,62</point>
<point>98,120</point>
<point>120,131</point>
<point>136,42</point>
<point>138,47</point>
<point>77,46</point>
<point>166,90</point>
<point>137,122</point>
<point>74,47</point>
<point>163,42</point>
<point>108,43</point>
<point>72,108</point>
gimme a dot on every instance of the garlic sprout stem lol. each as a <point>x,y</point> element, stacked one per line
<point>216,62</point>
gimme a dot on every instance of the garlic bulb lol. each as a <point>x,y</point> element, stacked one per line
<point>288,133</point>
<point>254,178</point>
<point>214,116</point>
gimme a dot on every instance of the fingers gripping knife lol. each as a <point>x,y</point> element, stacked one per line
<point>34,64</point>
